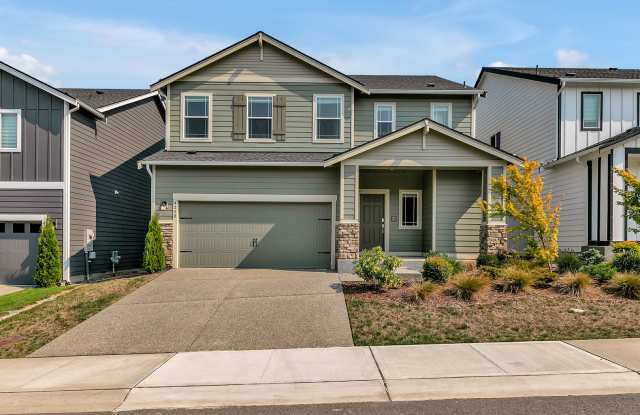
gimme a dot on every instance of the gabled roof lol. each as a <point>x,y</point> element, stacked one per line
<point>102,98</point>
<point>428,84</point>
<point>418,125</point>
<point>631,133</point>
<point>260,37</point>
<point>557,75</point>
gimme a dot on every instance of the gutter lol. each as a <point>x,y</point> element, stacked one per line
<point>79,104</point>
<point>229,163</point>
<point>429,91</point>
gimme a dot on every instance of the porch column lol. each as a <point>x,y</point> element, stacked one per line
<point>493,231</point>
<point>166,227</point>
<point>617,220</point>
<point>348,227</point>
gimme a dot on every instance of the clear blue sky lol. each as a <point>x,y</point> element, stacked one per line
<point>133,43</point>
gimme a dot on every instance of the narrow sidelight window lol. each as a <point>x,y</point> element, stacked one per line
<point>385,118</point>
<point>441,113</point>
<point>10,121</point>
<point>591,111</point>
<point>196,117</point>
<point>328,118</point>
<point>259,117</point>
<point>410,209</point>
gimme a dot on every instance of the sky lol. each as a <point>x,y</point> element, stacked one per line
<point>131,44</point>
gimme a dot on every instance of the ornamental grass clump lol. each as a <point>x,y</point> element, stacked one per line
<point>568,262</point>
<point>423,290</point>
<point>379,268</point>
<point>573,284</point>
<point>514,279</point>
<point>625,285</point>
<point>466,285</point>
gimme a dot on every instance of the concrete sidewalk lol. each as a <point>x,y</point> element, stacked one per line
<point>312,376</point>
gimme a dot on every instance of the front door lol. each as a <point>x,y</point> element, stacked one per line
<point>371,221</point>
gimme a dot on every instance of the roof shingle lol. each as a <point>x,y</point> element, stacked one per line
<point>97,97</point>
<point>603,73</point>
<point>408,82</point>
<point>238,157</point>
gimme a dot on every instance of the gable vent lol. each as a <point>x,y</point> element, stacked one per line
<point>613,69</point>
<point>99,92</point>
<point>430,84</point>
<point>570,74</point>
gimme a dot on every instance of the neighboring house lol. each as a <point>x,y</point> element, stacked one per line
<point>275,159</point>
<point>580,124</point>
<point>70,154</point>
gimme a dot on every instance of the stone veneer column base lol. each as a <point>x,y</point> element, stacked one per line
<point>493,238</point>
<point>347,246</point>
<point>167,236</point>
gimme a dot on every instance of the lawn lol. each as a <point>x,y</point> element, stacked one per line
<point>26,332</point>
<point>28,296</point>
<point>381,317</point>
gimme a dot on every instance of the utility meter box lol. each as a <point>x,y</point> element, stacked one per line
<point>90,236</point>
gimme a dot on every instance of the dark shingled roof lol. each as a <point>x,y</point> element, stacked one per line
<point>239,156</point>
<point>604,73</point>
<point>97,97</point>
<point>409,82</point>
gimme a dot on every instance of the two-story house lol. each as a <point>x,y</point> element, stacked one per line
<point>274,159</point>
<point>579,123</point>
<point>70,155</point>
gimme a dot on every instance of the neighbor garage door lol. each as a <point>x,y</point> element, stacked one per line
<point>18,249</point>
<point>255,235</point>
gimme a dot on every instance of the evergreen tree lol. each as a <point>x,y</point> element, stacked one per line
<point>48,270</point>
<point>153,260</point>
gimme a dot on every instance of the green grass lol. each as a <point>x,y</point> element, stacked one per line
<point>28,296</point>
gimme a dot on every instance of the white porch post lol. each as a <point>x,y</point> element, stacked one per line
<point>434,182</point>
<point>617,219</point>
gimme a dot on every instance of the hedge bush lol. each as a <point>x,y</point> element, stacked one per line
<point>48,271</point>
<point>601,272</point>
<point>377,267</point>
<point>153,259</point>
<point>437,269</point>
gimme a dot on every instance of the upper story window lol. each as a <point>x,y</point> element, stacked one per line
<point>591,118</point>
<point>259,117</point>
<point>196,117</point>
<point>441,113</point>
<point>410,209</point>
<point>495,140</point>
<point>384,118</point>
<point>328,118</point>
<point>10,123</point>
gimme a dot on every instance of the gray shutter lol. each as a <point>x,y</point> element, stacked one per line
<point>280,117</point>
<point>239,117</point>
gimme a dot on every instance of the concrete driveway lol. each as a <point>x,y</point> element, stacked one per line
<point>216,309</point>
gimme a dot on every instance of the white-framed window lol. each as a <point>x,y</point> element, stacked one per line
<point>384,115</point>
<point>259,117</point>
<point>410,209</point>
<point>10,130</point>
<point>591,113</point>
<point>196,116</point>
<point>328,118</point>
<point>441,113</point>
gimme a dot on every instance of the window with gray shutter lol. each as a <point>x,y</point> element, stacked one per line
<point>239,117</point>
<point>280,117</point>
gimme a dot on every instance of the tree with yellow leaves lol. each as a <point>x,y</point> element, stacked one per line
<point>524,201</point>
<point>630,195</point>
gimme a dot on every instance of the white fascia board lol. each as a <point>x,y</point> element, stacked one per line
<point>230,163</point>
<point>601,80</point>
<point>17,217</point>
<point>127,101</point>
<point>31,185</point>
<point>244,197</point>
<point>33,81</point>
<point>429,91</point>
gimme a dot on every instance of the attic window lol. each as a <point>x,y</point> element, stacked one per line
<point>613,69</point>
<point>430,85</point>
<point>99,92</point>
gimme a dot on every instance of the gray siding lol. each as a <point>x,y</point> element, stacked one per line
<point>568,184</point>
<point>525,112</point>
<point>350,186</point>
<point>408,111</point>
<point>211,180</point>
<point>427,210</point>
<point>41,157</point>
<point>458,213</point>
<point>103,159</point>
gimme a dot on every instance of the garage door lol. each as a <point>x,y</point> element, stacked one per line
<point>18,249</point>
<point>255,235</point>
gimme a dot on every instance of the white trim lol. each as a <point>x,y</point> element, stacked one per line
<point>16,217</point>
<point>434,183</point>
<point>66,195</point>
<point>273,42</point>
<point>33,81</point>
<point>415,127</point>
<point>183,125</point>
<point>421,164</point>
<point>32,185</point>
<point>474,105</point>
<point>341,192</point>
<point>230,197</point>
<point>418,194</point>
<point>248,139</point>
<point>387,223</point>
<point>428,91</point>
<point>152,174</point>
<point>601,80</point>
<point>316,140</point>
<point>18,113</point>
<point>231,163</point>
<point>375,116</point>
<point>449,106</point>
<point>356,203</point>
<point>167,121</point>
<point>352,120</point>
<point>127,101</point>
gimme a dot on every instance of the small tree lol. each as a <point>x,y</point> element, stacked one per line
<point>630,195</point>
<point>153,259</point>
<point>48,270</point>
<point>524,201</point>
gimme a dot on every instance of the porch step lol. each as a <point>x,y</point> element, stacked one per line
<point>411,268</point>
<point>409,274</point>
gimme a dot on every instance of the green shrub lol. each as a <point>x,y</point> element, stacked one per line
<point>48,270</point>
<point>573,284</point>
<point>568,262</point>
<point>625,285</point>
<point>153,259</point>
<point>437,269</point>
<point>423,290</point>
<point>590,257</point>
<point>626,247</point>
<point>488,260</point>
<point>514,279</point>
<point>377,267</point>
<point>543,278</point>
<point>457,265</point>
<point>464,286</point>
<point>601,272</point>
<point>491,272</point>
<point>627,261</point>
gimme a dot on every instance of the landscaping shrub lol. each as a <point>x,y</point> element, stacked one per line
<point>377,267</point>
<point>543,278</point>
<point>423,290</point>
<point>491,272</point>
<point>626,247</point>
<point>465,286</point>
<point>488,260</point>
<point>625,285</point>
<point>457,265</point>
<point>568,262</point>
<point>601,272</point>
<point>626,261</point>
<point>514,279</point>
<point>590,257</point>
<point>437,268</point>
<point>153,259</point>
<point>573,284</point>
<point>48,270</point>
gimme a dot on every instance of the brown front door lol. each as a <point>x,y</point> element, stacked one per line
<point>371,221</point>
